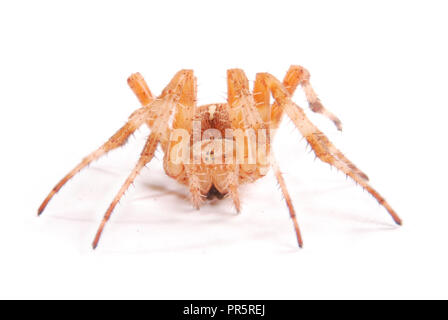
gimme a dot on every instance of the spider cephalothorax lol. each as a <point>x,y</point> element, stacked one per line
<point>214,148</point>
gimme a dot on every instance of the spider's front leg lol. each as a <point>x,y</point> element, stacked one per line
<point>252,111</point>
<point>244,116</point>
<point>155,113</point>
<point>160,111</point>
<point>140,88</point>
<point>272,116</point>
<point>321,145</point>
<point>145,157</point>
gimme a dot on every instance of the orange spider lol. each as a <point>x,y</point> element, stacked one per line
<point>243,127</point>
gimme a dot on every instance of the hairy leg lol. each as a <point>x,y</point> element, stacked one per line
<point>273,114</point>
<point>245,116</point>
<point>295,76</point>
<point>226,180</point>
<point>302,76</point>
<point>117,140</point>
<point>184,108</point>
<point>292,212</point>
<point>156,114</point>
<point>140,88</point>
<point>243,110</point>
<point>233,188</point>
<point>159,112</point>
<point>145,157</point>
<point>243,113</point>
<point>194,185</point>
<point>321,145</point>
<point>183,119</point>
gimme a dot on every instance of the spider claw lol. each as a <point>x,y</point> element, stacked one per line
<point>317,107</point>
<point>363,175</point>
<point>196,201</point>
<point>338,124</point>
<point>237,206</point>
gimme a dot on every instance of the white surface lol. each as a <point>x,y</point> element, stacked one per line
<point>381,67</point>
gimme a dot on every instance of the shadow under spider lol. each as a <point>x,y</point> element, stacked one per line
<point>354,217</point>
<point>109,172</point>
<point>162,191</point>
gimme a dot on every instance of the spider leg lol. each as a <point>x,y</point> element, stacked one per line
<point>194,185</point>
<point>145,157</point>
<point>117,140</point>
<point>273,114</point>
<point>302,75</point>
<point>186,100</point>
<point>295,76</point>
<point>139,86</point>
<point>160,111</point>
<point>321,145</point>
<point>313,100</point>
<point>183,119</point>
<point>292,212</point>
<point>233,188</point>
<point>244,113</point>
<point>230,182</point>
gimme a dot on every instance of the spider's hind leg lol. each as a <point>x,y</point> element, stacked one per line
<point>322,146</point>
<point>292,212</point>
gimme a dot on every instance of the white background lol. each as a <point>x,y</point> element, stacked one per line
<point>380,66</point>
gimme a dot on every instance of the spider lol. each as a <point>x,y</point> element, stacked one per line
<point>196,161</point>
